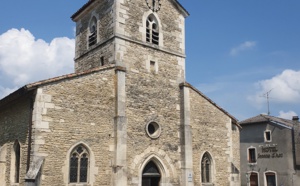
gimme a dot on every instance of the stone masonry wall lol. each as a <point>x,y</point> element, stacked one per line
<point>152,88</point>
<point>105,16</point>
<point>82,111</point>
<point>93,58</point>
<point>152,95</point>
<point>172,23</point>
<point>14,122</point>
<point>210,128</point>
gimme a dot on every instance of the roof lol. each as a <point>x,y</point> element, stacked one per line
<point>82,9</point>
<point>234,120</point>
<point>262,118</point>
<point>181,9</point>
<point>31,86</point>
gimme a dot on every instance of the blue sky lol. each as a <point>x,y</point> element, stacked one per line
<point>237,50</point>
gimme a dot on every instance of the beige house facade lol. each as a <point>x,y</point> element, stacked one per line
<point>126,116</point>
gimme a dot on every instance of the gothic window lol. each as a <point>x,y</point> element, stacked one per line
<point>15,163</point>
<point>93,32</point>
<point>152,30</point>
<point>151,175</point>
<point>79,165</point>
<point>206,168</point>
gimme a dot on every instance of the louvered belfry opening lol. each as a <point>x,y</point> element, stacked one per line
<point>152,30</point>
<point>93,32</point>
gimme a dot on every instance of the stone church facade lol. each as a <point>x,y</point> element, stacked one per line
<point>126,116</point>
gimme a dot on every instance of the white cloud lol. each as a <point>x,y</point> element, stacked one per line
<point>23,59</point>
<point>285,88</point>
<point>242,47</point>
<point>287,115</point>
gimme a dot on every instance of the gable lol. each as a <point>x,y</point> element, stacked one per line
<point>212,104</point>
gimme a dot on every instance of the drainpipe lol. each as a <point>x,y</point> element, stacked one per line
<point>295,119</point>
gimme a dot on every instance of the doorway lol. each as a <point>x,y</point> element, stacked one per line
<point>253,179</point>
<point>151,175</point>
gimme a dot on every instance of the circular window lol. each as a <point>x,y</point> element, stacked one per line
<point>153,130</point>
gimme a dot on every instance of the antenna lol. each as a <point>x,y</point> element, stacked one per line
<point>266,95</point>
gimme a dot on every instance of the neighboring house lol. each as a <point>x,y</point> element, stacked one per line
<point>270,153</point>
<point>126,116</point>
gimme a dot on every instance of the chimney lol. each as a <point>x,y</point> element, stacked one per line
<point>295,118</point>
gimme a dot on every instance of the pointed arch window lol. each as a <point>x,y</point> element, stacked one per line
<point>152,30</point>
<point>151,175</point>
<point>93,32</point>
<point>79,165</point>
<point>206,168</point>
<point>15,162</point>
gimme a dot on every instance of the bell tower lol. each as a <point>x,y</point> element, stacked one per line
<point>145,41</point>
<point>103,26</point>
<point>95,26</point>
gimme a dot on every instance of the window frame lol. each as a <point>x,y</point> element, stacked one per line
<point>265,136</point>
<point>270,172</point>
<point>249,158</point>
<point>93,32</point>
<point>152,34</point>
<point>80,155</point>
<point>249,176</point>
<point>15,166</point>
<point>207,157</point>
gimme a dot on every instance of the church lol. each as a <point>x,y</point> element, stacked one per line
<point>126,116</point>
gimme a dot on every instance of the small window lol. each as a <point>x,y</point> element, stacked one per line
<point>268,136</point>
<point>152,66</point>
<point>152,30</point>
<point>251,155</point>
<point>233,127</point>
<point>79,163</point>
<point>102,61</point>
